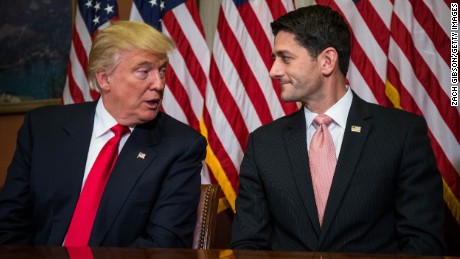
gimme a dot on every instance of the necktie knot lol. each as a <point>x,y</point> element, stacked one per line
<point>321,119</point>
<point>119,130</point>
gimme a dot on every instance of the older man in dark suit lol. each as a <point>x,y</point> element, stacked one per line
<point>61,190</point>
<point>340,174</point>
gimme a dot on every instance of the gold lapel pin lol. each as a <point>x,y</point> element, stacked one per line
<point>141,155</point>
<point>355,128</point>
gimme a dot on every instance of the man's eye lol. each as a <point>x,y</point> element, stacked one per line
<point>285,58</point>
<point>142,73</point>
<point>163,72</point>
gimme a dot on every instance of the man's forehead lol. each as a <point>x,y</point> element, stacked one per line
<point>143,58</point>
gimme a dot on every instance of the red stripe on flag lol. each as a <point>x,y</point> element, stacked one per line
<point>228,106</point>
<point>220,152</point>
<point>74,90</point>
<point>445,167</point>
<point>432,28</point>
<point>80,51</point>
<point>406,100</point>
<point>185,49</point>
<point>263,44</point>
<point>236,117</point>
<point>193,10</point>
<point>78,92</point>
<point>376,25</point>
<point>276,8</point>
<point>448,2</point>
<point>256,32</point>
<point>407,103</point>
<point>368,72</point>
<point>181,96</point>
<point>362,62</point>
<point>426,77</point>
<point>250,83</point>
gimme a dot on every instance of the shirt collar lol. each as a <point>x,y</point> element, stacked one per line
<point>338,112</point>
<point>103,121</point>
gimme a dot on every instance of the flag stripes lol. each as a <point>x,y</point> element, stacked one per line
<point>241,96</point>
<point>76,87</point>
<point>427,74</point>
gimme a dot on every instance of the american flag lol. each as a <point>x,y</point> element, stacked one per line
<point>241,96</point>
<point>90,17</point>
<point>186,75</point>
<point>400,57</point>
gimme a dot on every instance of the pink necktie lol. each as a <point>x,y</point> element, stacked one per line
<point>322,162</point>
<point>90,196</point>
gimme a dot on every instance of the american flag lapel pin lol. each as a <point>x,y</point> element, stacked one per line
<point>355,128</point>
<point>141,155</point>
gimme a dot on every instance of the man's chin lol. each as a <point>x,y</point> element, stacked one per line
<point>148,116</point>
<point>288,99</point>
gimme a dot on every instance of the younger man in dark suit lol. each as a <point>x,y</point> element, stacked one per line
<point>149,199</point>
<point>340,174</point>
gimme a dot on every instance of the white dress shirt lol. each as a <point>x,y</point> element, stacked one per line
<point>339,113</point>
<point>103,122</point>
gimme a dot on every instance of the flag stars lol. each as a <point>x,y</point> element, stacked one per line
<point>153,2</point>
<point>96,20</point>
<point>97,6</point>
<point>89,4</point>
<point>109,9</point>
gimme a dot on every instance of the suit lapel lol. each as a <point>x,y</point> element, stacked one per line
<point>72,144</point>
<point>350,153</point>
<point>295,139</point>
<point>137,154</point>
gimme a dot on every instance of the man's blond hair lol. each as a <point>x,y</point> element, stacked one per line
<point>124,36</point>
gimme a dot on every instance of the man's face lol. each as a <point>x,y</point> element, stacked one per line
<point>133,92</point>
<point>298,73</point>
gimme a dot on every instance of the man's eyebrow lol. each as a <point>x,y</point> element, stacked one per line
<point>164,63</point>
<point>161,63</point>
<point>144,63</point>
<point>280,53</point>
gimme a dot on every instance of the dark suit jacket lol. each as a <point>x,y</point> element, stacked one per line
<point>148,202</point>
<point>386,194</point>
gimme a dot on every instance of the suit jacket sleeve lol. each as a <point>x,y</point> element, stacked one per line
<point>251,225</point>
<point>15,201</point>
<point>173,217</point>
<point>418,202</point>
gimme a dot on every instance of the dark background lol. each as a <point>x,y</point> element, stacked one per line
<point>34,46</point>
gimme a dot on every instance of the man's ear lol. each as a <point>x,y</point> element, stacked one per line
<point>330,58</point>
<point>103,79</point>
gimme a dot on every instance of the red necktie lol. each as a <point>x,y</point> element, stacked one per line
<point>90,196</point>
<point>322,162</point>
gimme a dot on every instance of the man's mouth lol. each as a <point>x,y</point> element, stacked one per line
<point>153,103</point>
